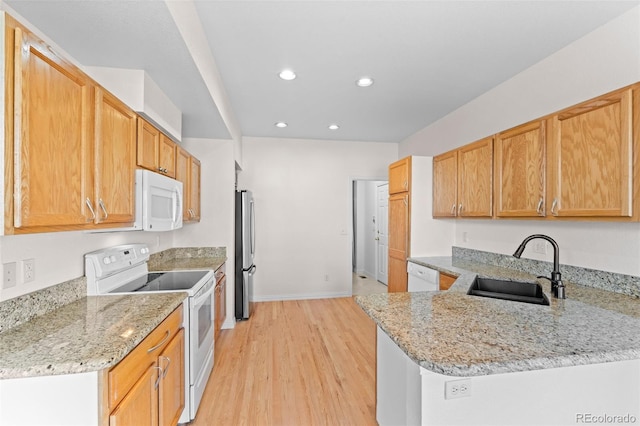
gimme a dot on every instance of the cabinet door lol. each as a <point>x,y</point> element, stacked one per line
<point>167,156</point>
<point>148,151</point>
<point>140,405</point>
<point>115,160</point>
<point>183,162</point>
<point>194,189</point>
<point>475,179</point>
<point>520,171</point>
<point>400,176</point>
<point>445,185</point>
<point>171,385</point>
<point>52,138</point>
<point>220,304</point>
<point>591,158</point>
<point>398,241</point>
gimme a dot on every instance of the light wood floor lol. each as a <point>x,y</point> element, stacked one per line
<point>308,362</point>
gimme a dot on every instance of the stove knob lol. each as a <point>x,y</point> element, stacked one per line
<point>112,258</point>
<point>106,260</point>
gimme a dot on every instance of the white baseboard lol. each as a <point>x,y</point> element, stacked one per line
<point>281,297</point>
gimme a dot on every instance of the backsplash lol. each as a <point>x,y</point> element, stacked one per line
<point>609,281</point>
<point>21,309</point>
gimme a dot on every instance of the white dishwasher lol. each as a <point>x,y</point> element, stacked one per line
<point>422,278</point>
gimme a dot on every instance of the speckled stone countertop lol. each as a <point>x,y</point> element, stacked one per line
<point>188,258</point>
<point>90,334</point>
<point>455,334</point>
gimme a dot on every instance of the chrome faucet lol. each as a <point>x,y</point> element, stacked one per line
<point>557,286</point>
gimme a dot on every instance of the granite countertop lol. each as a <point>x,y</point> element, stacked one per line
<point>188,258</point>
<point>455,334</point>
<point>90,334</point>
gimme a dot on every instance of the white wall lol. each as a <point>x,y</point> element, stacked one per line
<point>217,198</point>
<point>604,60</point>
<point>302,191</point>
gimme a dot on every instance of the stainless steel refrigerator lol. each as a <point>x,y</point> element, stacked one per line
<point>245,251</point>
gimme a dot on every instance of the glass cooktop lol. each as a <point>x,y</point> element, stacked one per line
<point>163,281</point>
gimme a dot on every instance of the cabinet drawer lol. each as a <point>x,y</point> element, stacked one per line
<point>125,374</point>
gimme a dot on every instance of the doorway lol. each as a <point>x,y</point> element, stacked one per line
<point>370,230</point>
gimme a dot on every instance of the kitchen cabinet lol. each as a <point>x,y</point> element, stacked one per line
<point>398,242</point>
<point>220,308</point>
<point>194,190</point>
<point>445,184</point>
<point>446,281</point>
<point>463,181</point>
<point>115,160</point>
<point>147,386</point>
<point>519,170</point>
<point>399,176</point>
<point>52,136</point>
<point>590,157</point>
<point>188,172</point>
<point>475,179</point>
<point>155,151</point>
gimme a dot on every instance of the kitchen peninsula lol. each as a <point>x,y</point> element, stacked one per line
<point>453,358</point>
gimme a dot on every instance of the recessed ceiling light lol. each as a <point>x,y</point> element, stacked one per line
<point>287,75</point>
<point>333,127</point>
<point>281,124</point>
<point>364,81</point>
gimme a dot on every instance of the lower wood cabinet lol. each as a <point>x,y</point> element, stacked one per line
<point>147,386</point>
<point>220,293</point>
<point>446,281</point>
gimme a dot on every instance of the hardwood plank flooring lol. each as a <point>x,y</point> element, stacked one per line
<point>304,362</point>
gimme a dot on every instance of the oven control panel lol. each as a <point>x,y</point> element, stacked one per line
<point>108,261</point>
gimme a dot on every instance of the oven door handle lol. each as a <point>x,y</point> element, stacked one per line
<point>204,296</point>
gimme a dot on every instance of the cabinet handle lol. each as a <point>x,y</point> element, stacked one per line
<point>453,209</point>
<point>162,170</point>
<point>539,208</point>
<point>460,209</point>
<point>406,184</point>
<point>166,368</point>
<point>554,205</point>
<point>93,213</point>
<point>164,339</point>
<point>406,202</point>
<point>104,209</point>
<point>160,376</point>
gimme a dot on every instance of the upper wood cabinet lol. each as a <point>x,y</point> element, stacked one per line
<point>52,136</point>
<point>400,176</point>
<point>463,181</point>
<point>475,179</point>
<point>194,190</point>
<point>188,172</point>
<point>156,151</point>
<point>591,158</point>
<point>519,171</point>
<point>445,184</point>
<point>115,160</point>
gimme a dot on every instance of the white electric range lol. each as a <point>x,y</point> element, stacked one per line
<point>124,270</point>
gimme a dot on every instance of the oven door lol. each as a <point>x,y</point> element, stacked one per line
<point>201,317</point>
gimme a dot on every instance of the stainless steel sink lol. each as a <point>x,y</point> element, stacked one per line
<point>509,290</point>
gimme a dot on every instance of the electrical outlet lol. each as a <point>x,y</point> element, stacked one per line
<point>28,270</point>
<point>540,247</point>
<point>457,389</point>
<point>9,278</point>
<point>326,277</point>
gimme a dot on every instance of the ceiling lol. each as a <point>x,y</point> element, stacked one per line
<point>427,58</point>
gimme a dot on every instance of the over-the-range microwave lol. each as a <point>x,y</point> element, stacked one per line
<point>158,204</point>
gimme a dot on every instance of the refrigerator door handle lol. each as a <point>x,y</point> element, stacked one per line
<point>253,227</point>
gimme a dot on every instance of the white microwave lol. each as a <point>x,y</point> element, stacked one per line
<point>158,202</point>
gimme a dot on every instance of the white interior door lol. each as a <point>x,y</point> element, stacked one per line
<point>382,233</point>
